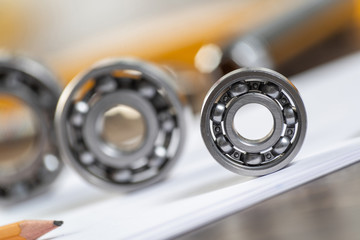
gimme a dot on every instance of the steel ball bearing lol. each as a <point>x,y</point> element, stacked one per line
<point>128,151</point>
<point>253,157</point>
<point>29,159</point>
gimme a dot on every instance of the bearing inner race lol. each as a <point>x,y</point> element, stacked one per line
<point>108,154</point>
<point>253,146</point>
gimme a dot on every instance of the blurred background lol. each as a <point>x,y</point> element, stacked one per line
<point>197,40</point>
<point>71,36</point>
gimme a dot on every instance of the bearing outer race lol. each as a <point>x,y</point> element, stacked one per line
<point>151,73</point>
<point>241,75</point>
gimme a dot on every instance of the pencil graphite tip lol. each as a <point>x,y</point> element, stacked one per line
<point>58,223</point>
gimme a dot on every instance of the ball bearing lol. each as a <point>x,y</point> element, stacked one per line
<point>253,157</point>
<point>29,160</point>
<point>91,99</point>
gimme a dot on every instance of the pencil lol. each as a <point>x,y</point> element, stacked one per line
<point>28,229</point>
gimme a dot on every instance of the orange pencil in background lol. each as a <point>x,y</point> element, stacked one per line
<point>28,229</point>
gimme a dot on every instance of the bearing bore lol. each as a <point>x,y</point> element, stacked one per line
<point>121,125</point>
<point>253,86</point>
<point>29,160</point>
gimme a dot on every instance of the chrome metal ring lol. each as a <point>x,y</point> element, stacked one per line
<point>33,85</point>
<point>79,117</point>
<point>261,156</point>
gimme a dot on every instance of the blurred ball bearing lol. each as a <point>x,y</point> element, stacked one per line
<point>88,107</point>
<point>30,162</point>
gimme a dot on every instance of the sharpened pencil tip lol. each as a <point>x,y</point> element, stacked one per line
<point>58,223</point>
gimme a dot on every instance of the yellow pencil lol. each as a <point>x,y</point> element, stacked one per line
<point>28,229</point>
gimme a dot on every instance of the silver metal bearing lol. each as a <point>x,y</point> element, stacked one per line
<point>81,120</point>
<point>29,160</point>
<point>246,156</point>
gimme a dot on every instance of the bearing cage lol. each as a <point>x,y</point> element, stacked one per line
<point>270,153</point>
<point>163,116</point>
<point>32,83</point>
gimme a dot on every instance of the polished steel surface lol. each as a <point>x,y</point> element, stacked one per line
<point>245,156</point>
<point>327,208</point>
<point>80,114</point>
<point>36,91</point>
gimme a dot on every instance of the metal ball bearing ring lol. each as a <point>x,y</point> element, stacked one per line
<point>133,84</point>
<point>247,156</point>
<point>27,86</point>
